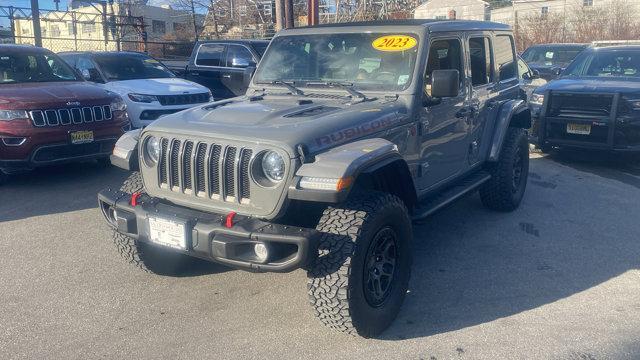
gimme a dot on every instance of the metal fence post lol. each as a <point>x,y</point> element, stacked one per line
<point>12,25</point>
<point>105,25</point>
<point>35,17</point>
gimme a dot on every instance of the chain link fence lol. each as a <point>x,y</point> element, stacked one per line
<point>93,30</point>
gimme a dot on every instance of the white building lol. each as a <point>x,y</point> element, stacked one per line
<point>453,9</point>
<point>82,28</point>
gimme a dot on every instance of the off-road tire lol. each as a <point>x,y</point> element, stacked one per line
<point>338,277</point>
<point>147,257</point>
<point>505,190</point>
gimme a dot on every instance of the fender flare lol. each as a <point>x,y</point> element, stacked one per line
<point>345,161</point>
<point>125,152</point>
<point>511,114</point>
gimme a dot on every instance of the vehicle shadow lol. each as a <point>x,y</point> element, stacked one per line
<point>472,266</point>
<point>622,167</point>
<point>56,189</point>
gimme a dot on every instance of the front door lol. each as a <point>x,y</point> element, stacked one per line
<point>443,121</point>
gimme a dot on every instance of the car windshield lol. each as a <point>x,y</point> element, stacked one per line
<point>368,61</point>
<point>551,55</point>
<point>606,63</point>
<point>131,67</point>
<point>25,67</point>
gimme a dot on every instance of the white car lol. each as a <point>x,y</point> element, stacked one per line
<point>149,89</point>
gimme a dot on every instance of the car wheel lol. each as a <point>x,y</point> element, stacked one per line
<point>359,280</point>
<point>505,190</point>
<point>147,257</point>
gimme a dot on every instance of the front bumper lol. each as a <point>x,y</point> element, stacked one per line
<point>614,133</point>
<point>208,238</point>
<point>143,114</point>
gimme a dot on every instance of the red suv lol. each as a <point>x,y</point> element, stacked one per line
<point>50,115</point>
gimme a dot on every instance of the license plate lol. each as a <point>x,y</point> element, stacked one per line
<point>168,233</point>
<point>81,137</point>
<point>580,129</point>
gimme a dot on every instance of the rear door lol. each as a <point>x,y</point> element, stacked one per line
<point>207,68</point>
<point>443,122</point>
<point>484,95</point>
<point>239,60</point>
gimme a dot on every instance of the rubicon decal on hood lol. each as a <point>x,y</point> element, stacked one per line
<point>358,131</point>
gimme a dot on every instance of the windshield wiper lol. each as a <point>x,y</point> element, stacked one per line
<point>348,87</point>
<point>295,90</point>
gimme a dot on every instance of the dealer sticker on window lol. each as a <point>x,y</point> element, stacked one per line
<point>394,43</point>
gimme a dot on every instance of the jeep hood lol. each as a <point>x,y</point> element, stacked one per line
<point>34,95</point>
<point>600,84</point>
<point>285,122</point>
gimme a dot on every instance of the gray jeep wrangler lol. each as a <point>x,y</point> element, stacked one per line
<point>347,134</point>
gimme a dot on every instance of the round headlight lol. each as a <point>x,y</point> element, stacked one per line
<point>152,150</point>
<point>273,166</point>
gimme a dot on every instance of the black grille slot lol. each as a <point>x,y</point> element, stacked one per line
<point>173,166</point>
<point>106,110</point>
<point>214,169</point>
<point>97,113</point>
<point>183,99</point>
<point>52,117</point>
<point>76,115</point>
<point>201,154</point>
<point>88,114</point>
<point>65,116</point>
<point>163,161</point>
<point>229,175</point>
<point>38,118</point>
<point>245,192</point>
<point>186,164</point>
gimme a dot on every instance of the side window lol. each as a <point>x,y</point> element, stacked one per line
<point>480,60</point>
<point>211,55</point>
<point>238,56</point>
<point>444,55</point>
<point>504,56</point>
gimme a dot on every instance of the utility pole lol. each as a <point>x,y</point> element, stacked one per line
<point>288,14</point>
<point>35,17</point>
<point>280,23</point>
<point>313,17</point>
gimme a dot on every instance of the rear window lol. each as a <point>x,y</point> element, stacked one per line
<point>549,55</point>
<point>211,55</point>
<point>504,55</point>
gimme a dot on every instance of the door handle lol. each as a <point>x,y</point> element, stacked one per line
<point>466,112</point>
<point>226,76</point>
<point>194,73</point>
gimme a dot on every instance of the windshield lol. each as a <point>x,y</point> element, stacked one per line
<point>131,67</point>
<point>22,68</point>
<point>551,55</point>
<point>606,63</point>
<point>365,60</point>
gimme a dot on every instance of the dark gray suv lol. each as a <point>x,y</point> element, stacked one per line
<point>347,134</point>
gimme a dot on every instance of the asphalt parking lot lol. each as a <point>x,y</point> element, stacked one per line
<point>557,279</point>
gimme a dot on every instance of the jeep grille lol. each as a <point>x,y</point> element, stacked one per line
<point>215,171</point>
<point>68,116</point>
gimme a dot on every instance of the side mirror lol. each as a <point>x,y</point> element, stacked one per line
<point>240,62</point>
<point>445,83</point>
<point>91,75</point>
<point>535,74</point>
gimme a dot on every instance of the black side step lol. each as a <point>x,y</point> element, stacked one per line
<point>432,204</point>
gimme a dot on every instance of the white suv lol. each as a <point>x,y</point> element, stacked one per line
<point>146,85</point>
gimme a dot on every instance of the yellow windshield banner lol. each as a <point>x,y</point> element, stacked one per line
<point>394,43</point>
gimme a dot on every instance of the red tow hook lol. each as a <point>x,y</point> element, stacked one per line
<point>228,222</point>
<point>135,198</point>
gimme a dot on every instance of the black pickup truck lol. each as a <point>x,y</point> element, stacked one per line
<point>224,66</point>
